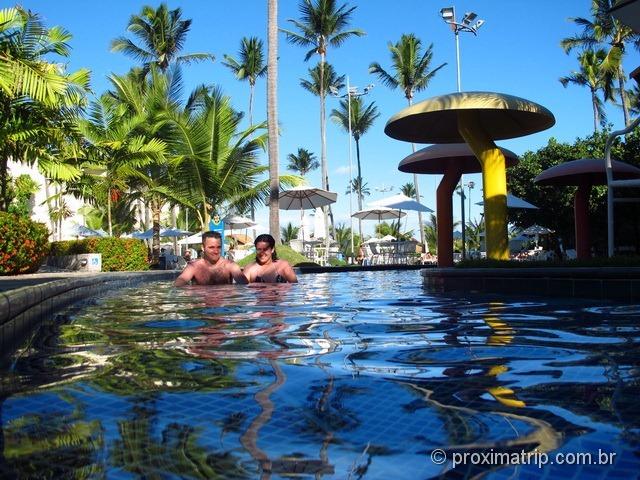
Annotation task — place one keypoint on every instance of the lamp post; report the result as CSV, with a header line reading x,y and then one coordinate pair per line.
x,y
448,14
352,92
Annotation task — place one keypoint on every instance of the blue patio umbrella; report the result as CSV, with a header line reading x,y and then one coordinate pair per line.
x,y
84,231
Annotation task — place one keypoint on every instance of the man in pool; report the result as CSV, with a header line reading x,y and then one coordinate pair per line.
x,y
268,268
211,269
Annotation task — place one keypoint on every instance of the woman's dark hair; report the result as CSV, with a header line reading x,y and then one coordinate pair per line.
x,y
266,238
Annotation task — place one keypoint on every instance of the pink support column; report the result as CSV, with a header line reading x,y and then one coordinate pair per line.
x,y
444,215
581,215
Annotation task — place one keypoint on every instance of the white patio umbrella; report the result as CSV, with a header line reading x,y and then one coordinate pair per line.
x,y
401,202
305,197
379,213
238,222
515,202
164,232
536,231
196,238
235,221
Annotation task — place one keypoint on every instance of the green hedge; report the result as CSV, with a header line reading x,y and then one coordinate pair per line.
x,y
118,254
23,244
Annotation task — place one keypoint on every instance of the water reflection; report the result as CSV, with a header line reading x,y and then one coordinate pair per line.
x,y
340,376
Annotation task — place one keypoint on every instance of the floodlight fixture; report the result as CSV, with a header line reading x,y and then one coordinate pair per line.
x,y
478,24
448,14
469,17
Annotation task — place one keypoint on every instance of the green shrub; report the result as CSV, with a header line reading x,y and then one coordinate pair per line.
x,y
118,254
23,244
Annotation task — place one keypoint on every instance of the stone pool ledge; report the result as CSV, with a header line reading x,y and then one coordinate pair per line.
x,y
22,307
601,283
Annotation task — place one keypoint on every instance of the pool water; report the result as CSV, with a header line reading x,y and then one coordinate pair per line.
x,y
345,375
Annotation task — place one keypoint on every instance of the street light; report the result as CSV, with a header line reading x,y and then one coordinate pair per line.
x,y
467,24
350,93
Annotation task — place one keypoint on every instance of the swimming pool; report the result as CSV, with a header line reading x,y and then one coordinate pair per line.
x,y
345,375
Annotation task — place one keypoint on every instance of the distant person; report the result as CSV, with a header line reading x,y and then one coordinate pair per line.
x,y
187,256
361,254
268,268
211,269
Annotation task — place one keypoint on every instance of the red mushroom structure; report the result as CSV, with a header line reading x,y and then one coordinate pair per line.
x,y
452,160
584,174
477,118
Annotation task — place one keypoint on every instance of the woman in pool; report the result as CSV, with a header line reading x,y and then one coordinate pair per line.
x,y
268,268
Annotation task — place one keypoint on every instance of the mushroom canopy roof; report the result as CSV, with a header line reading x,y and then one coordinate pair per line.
x,y
590,171
501,116
440,158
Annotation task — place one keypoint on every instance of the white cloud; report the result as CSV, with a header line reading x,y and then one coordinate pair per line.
x,y
344,170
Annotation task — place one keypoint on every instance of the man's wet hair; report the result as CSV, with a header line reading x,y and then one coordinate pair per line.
x,y
211,234
266,238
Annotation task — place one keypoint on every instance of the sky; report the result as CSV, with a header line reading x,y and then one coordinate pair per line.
x,y
516,51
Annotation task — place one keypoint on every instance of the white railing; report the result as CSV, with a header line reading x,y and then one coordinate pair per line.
x,y
611,183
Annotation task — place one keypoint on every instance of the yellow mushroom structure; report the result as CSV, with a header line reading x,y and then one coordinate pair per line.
x,y
478,119
451,160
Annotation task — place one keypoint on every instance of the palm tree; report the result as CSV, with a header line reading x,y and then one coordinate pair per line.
x,y
322,23
328,75
289,232
593,76
214,161
272,117
604,29
361,120
302,162
161,33
115,147
411,73
39,100
356,185
250,67
342,234
431,233
408,189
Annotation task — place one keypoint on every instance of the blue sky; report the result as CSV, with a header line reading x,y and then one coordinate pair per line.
x,y
515,52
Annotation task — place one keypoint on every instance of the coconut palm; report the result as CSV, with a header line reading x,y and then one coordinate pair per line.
x,y
249,67
161,34
411,72
302,162
39,100
272,117
289,232
216,162
342,234
322,24
322,72
594,77
408,189
362,119
116,148
329,76
356,185
602,30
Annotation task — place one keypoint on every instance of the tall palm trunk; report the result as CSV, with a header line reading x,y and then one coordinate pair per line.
x,y
623,96
109,212
272,118
415,184
155,215
596,115
357,139
251,91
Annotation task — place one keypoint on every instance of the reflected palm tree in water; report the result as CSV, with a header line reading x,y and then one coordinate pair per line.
x,y
177,452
